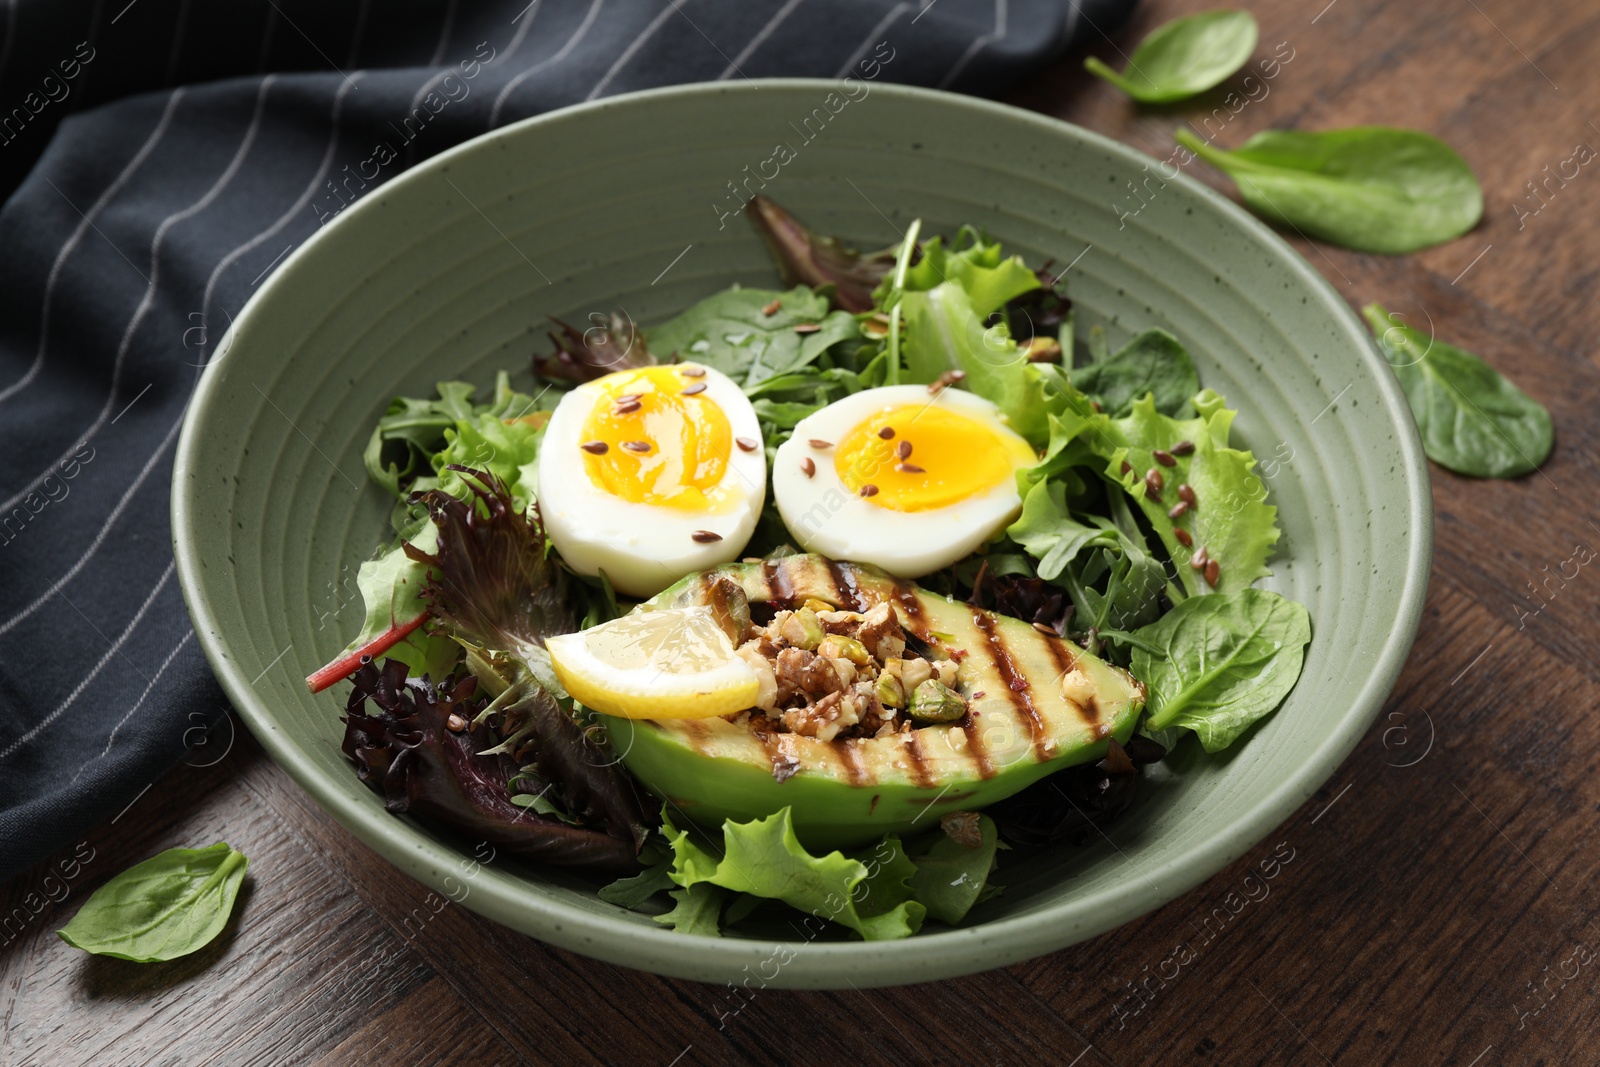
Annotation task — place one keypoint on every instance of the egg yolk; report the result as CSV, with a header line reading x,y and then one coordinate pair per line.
x,y
653,437
921,457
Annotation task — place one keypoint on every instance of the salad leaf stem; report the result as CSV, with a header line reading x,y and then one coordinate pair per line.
x,y
346,665
902,262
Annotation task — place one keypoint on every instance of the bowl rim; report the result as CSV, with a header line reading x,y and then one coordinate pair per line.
x,y
818,964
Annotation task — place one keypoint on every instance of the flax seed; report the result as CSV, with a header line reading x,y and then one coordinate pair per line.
x,y
706,537
1198,560
1154,482
1176,511
909,468
807,327
636,446
747,443
697,387
869,490
772,308
903,450
807,467
693,372
1183,537
1183,448
887,433
1213,572
819,444
1164,458
595,448
1186,494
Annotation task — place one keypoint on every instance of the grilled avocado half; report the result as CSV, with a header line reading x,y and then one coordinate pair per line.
x,y
1035,703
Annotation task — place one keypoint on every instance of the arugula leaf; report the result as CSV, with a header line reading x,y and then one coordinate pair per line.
x,y
1217,664
951,875
1230,519
174,903
697,911
870,895
1153,362
634,890
731,332
1370,188
1183,57
1473,420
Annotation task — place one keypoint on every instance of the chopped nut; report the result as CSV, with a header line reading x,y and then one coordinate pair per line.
x,y
934,702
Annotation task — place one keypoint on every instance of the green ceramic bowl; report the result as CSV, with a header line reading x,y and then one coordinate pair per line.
x,y
451,270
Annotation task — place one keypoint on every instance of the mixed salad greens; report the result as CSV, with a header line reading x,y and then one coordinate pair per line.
x,y
1135,536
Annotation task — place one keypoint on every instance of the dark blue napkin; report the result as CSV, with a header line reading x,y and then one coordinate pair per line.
x,y
159,158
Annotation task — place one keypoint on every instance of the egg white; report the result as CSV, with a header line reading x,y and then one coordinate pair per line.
x,y
643,548
825,516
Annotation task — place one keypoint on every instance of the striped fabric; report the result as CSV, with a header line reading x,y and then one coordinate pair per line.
x,y
158,159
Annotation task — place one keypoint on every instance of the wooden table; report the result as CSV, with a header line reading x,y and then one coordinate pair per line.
x,y
1435,909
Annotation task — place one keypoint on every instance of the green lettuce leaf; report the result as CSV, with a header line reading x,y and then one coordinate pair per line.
x,y
1231,519
870,894
1217,664
697,910
731,332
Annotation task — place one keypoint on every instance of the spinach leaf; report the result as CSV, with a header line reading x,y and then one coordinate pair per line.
x,y
1371,188
1153,362
731,332
1472,419
952,874
172,904
1183,57
1217,664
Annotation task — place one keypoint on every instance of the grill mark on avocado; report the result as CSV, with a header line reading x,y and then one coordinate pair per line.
x,y
779,587
1016,684
975,747
855,768
846,593
1067,662
905,599
919,759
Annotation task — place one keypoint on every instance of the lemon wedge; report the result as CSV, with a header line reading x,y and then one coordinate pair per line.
x,y
675,663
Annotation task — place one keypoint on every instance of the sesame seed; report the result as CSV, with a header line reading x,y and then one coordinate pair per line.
x,y
806,327
636,446
746,443
909,468
1177,510
772,308
887,433
706,537
807,467
1186,494
1154,482
868,490
903,450
595,448
697,387
1183,448
1183,537
1164,458
1213,572
819,444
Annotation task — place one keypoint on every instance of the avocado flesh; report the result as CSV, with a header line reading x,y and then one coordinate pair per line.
x,y
1045,705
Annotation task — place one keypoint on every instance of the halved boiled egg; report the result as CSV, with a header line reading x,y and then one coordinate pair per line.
x,y
899,478
649,474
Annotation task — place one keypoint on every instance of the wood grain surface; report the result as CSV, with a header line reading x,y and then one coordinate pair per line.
x,y
1430,906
